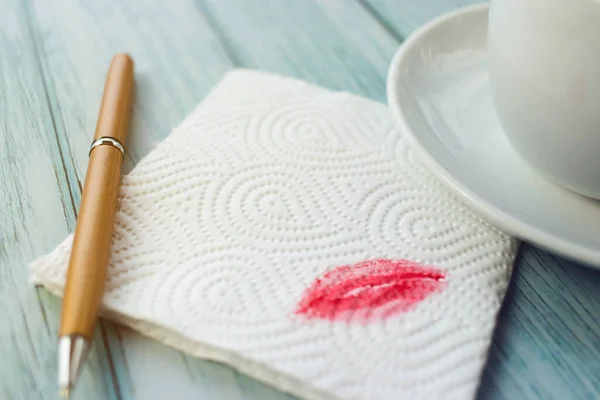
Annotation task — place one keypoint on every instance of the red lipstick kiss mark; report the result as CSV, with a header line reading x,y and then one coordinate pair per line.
x,y
370,289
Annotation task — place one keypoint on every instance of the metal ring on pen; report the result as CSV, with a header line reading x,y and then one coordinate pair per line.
x,y
109,141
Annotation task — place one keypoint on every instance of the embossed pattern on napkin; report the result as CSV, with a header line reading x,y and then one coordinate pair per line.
x,y
269,184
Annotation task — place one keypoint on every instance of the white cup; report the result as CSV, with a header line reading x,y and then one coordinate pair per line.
x,y
544,60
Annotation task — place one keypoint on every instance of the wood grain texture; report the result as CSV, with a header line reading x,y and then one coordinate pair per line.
x,y
333,43
53,58
36,212
547,343
401,18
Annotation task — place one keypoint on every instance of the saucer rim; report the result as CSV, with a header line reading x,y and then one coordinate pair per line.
x,y
495,215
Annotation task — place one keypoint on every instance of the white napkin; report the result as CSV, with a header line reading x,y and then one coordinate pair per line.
x,y
227,230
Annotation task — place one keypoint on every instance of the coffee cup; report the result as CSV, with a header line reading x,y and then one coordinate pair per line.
x,y
544,66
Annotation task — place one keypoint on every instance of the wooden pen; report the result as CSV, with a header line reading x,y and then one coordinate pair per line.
x,y
93,233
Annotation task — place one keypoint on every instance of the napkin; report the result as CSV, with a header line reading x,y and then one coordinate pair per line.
x,y
286,230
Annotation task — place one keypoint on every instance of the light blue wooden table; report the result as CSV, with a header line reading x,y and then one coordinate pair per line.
x,y
53,59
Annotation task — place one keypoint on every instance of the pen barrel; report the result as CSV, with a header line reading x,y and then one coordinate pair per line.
x,y
113,118
90,251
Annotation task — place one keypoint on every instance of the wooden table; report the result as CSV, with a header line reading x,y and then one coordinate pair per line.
x,y
53,59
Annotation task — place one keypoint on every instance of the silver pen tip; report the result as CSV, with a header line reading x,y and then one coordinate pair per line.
x,y
72,351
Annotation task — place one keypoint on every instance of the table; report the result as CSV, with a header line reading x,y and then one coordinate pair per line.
x,y
53,59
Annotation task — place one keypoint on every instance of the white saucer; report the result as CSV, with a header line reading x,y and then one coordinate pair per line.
x,y
439,93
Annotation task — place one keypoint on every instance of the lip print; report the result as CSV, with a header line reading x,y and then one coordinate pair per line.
x,y
369,290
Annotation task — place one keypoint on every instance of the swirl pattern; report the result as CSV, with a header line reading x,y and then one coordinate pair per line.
x,y
268,184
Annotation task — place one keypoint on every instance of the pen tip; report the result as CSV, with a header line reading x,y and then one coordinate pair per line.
x,y
64,393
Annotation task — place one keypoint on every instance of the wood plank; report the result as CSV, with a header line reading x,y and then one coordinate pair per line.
x,y
165,373
36,213
177,60
404,17
333,43
547,344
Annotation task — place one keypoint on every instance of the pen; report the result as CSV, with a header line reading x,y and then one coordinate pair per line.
x,y
91,242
